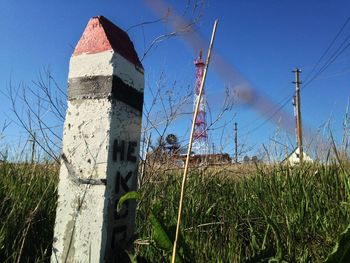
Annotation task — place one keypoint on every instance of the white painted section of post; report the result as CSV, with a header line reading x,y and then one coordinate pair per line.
x,y
89,65
85,144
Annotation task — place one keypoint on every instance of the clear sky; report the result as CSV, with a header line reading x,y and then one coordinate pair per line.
x,y
263,40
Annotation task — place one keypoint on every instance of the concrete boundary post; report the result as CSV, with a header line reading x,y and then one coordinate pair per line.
x,y
101,143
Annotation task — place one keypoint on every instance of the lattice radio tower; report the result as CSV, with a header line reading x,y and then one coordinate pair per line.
x,y
200,140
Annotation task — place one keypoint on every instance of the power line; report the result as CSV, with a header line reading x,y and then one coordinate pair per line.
x,y
328,48
282,102
332,58
329,61
266,120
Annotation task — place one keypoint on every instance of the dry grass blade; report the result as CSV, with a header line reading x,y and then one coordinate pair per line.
x,y
190,144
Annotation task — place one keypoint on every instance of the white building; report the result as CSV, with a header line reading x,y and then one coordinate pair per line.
x,y
294,159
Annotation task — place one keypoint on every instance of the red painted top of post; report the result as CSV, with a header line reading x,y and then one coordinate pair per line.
x,y
101,35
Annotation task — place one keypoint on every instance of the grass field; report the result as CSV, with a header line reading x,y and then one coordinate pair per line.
x,y
273,213
27,211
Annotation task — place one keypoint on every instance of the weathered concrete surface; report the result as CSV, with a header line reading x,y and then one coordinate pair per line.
x,y
100,149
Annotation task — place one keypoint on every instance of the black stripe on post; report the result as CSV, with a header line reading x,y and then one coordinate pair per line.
x,y
98,87
127,94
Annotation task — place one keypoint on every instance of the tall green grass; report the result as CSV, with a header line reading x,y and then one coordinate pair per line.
x,y
27,211
292,214
282,213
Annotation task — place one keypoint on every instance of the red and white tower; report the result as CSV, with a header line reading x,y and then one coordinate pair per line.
x,y
200,141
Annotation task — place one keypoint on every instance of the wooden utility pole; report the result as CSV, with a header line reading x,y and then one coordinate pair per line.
x,y
33,141
297,82
236,145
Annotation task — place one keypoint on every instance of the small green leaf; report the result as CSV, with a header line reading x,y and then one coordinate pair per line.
x,y
129,195
161,237
159,234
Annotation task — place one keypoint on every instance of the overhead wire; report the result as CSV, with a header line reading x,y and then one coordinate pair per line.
x,y
308,79
328,48
328,62
283,102
266,120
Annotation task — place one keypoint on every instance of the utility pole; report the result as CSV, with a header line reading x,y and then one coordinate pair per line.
x,y
213,156
236,145
33,141
295,118
297,82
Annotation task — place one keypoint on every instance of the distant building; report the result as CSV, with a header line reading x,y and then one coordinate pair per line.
x,y
178,158
294,159
246,159
197,159
252,160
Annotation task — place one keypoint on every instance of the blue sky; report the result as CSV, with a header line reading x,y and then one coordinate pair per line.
x,y
263,40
